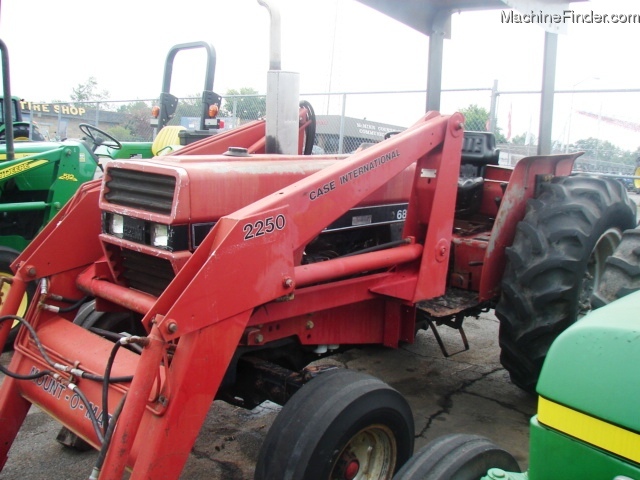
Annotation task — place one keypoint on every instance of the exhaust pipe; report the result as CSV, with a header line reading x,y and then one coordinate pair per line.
x,y
283,90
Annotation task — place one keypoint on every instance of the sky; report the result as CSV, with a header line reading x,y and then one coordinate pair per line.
x,y
336,46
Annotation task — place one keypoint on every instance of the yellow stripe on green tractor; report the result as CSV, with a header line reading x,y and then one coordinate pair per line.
x,y
20,167
607,436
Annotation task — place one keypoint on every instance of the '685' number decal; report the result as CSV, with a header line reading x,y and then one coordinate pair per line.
x,y
263,227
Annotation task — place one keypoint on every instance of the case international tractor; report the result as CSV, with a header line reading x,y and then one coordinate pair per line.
x,y
218,273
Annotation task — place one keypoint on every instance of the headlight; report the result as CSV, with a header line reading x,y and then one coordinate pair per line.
x,y
159,235
145,232
117,225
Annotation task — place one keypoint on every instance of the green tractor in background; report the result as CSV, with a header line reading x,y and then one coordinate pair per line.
x,y
12,113
38,177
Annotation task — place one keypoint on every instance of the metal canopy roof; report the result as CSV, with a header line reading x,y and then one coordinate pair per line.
x,y
433,18
419,14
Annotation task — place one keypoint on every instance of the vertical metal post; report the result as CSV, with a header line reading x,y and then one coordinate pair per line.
x,y
235,112
492,109
342,119
548,86
436,47
58,137
7,106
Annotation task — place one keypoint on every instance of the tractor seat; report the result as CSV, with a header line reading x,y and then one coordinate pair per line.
x,y
167,140
479,148
478,151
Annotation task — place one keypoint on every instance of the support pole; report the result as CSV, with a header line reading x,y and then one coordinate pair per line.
x,y
548,86
436,47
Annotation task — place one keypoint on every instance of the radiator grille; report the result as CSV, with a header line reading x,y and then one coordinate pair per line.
x,y
146,273
142,190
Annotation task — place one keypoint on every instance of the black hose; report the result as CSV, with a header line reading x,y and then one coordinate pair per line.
x,y
99,378
32,376
105,387
74,306
33,334
106,380
107,438
115,337
92,415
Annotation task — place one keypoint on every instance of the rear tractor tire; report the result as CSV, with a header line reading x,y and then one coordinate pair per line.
x,y
341,425
555,262
621,275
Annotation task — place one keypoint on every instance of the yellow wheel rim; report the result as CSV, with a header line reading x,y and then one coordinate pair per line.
x,y
23,303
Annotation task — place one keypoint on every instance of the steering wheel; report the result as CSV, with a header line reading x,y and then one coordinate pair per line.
x,y
96,135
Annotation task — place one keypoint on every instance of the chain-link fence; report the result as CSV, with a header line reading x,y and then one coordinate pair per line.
x,y
589,121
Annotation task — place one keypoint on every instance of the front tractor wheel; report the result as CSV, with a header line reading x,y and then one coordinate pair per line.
x,y
457,456
343,425
555,262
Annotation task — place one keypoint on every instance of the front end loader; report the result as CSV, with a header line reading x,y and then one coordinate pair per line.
x,y
195,276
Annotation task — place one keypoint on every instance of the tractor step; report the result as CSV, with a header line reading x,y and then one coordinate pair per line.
x,y
454,301
446,310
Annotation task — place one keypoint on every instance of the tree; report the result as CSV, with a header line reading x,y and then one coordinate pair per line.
x,y
477,118
597,149
121,133
88,92
522,139
190,106
246,104
137,120
605,156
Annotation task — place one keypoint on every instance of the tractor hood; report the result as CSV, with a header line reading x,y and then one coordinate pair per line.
x,y
591,369
198,188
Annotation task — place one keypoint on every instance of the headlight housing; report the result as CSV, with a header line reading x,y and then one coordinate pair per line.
x,y
159,235
116,225
145,232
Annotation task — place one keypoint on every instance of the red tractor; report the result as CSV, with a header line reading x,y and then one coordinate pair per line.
x,y
197,276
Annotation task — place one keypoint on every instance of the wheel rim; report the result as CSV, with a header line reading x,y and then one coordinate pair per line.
x,y
369,454
6,286
605,246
